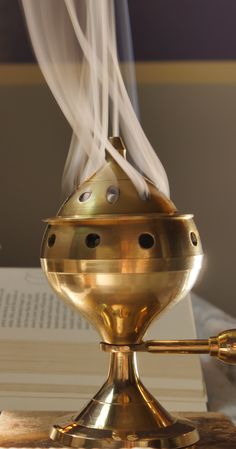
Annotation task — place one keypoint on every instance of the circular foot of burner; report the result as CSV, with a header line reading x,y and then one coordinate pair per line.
x,y
180,434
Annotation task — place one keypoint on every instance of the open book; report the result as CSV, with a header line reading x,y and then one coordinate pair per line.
x,y
50,357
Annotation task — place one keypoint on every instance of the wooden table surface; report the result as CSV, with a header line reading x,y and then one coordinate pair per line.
x,y
30,429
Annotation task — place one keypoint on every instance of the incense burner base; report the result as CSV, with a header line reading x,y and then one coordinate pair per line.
x,y
181,434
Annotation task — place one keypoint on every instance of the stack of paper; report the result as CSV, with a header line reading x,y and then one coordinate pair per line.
x,y
50,357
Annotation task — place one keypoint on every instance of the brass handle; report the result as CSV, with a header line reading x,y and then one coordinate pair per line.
x,y
223,346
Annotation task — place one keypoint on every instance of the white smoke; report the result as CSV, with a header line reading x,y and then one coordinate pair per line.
x,y
75,44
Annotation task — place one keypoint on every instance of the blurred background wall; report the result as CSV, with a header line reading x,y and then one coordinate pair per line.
x,y
185,55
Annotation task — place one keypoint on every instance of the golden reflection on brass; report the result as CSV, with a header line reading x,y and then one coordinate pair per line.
x,y
121,261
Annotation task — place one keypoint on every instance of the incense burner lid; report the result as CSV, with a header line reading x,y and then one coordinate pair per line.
x,y
110,191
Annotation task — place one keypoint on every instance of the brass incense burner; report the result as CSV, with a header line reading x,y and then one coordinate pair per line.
x,y
121,261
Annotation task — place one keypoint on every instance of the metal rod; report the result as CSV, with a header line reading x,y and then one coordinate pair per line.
x,y
178,346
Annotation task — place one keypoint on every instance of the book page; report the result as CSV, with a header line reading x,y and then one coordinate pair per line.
x,y
37,310
29,307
